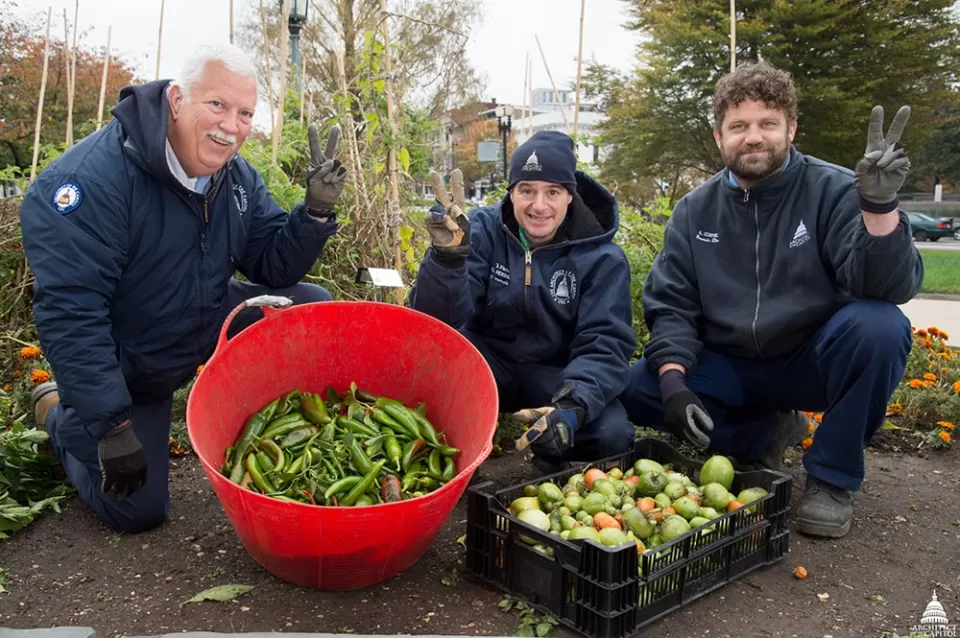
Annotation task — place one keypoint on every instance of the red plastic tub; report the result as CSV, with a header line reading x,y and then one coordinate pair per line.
x,y
384,348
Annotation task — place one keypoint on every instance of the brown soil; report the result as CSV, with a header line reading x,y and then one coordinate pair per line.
x,y
69,569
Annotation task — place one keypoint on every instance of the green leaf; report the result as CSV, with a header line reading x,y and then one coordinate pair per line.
x,y
406,233
220,593
887,425
543,629
403,156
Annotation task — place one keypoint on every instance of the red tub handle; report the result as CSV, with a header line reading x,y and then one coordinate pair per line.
x,y
270,305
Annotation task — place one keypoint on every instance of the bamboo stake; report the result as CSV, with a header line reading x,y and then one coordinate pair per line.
x,y
103,79
303,79
576,110
733,35
159,39
66,64
266,57
556,94
528,121
231,21
523,115
43,90
71,69
353,148
394,207
282,93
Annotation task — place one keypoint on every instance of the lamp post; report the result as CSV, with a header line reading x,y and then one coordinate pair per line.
x,y
295,22
504,128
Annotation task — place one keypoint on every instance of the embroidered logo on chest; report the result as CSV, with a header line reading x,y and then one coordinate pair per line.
x,y
800,236
563,287
240,197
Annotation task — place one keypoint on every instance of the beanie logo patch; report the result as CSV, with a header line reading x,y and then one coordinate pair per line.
x,y
532,163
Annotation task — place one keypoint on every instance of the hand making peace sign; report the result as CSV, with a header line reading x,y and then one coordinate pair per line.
x,y
325,174
881,171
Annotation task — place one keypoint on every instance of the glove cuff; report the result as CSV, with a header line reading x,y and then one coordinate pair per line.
x,y
321,210
672,382
879,209
119,429
571,413
451,257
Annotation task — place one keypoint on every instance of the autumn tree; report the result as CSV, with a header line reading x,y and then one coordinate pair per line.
x,y
845,57
21,70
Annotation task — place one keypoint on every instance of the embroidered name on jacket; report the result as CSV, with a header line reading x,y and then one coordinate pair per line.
x,y
563,287
500,274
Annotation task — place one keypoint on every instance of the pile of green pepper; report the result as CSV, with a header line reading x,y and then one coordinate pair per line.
x,y
355,449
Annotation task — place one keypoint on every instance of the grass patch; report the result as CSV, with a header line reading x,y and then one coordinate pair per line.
x,y
942,271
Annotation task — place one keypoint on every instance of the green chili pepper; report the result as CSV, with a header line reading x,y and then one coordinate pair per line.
x,y
236,474
409,481
365,499
364,485
433,462
449,468
427,430
287,402
399,414
301,435
247,480
421,409
447,450
284,425
342,485
314,409
256,475
392,447
253,428
352,425
360,459
410,451
274,451
332,395
329,431
267,464
284,497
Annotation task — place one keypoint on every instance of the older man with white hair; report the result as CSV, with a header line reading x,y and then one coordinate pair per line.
x,y
134,235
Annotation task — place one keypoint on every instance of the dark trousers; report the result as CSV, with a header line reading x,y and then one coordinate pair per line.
x,y
532,385
77,451
848,370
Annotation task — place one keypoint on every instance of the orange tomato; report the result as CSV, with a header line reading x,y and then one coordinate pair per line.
x,y
592,475
632,480
640,547
646,504
602,520
734,505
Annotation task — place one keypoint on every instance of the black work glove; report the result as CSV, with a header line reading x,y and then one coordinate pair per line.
x,y
123,463
882,170
447,224
325,175
683,413
551,428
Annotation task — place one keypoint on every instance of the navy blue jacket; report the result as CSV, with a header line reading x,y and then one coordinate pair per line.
x,y
757,272
566,304
132,267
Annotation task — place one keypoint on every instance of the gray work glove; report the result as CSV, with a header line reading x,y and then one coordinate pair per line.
x,y
881,171
123,463
325,174
447,224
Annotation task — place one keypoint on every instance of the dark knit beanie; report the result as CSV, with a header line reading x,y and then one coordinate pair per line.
x,y
546,157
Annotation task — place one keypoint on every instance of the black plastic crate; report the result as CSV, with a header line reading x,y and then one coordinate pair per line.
x,y
598,591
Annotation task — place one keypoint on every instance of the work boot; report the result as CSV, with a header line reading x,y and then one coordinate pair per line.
x,y
791,429
825,510
42,399
549,465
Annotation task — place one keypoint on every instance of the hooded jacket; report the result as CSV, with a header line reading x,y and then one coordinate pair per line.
x,y
757,272
132,267
566,304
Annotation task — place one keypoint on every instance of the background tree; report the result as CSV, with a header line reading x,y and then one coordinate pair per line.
x,y
466,150
21,70
845,55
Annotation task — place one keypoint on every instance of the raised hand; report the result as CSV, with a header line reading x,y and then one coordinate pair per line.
x,y
447,224
882,170
325,174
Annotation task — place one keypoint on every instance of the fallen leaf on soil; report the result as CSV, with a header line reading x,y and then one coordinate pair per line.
x,y
221,593
887,425
823,597
451,577
463,540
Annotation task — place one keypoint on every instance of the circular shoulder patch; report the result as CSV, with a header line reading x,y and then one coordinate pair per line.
x,y
67,197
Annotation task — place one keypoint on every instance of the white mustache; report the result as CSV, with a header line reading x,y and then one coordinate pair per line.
x,y
222,137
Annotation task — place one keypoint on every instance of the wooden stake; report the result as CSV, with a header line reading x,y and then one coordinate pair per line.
x,y
159,39
733,35
231,21
266,57
576,110
523,114
303,79
353,149
103,79
282,93
43,90
394,208
529,122
556,94
66,63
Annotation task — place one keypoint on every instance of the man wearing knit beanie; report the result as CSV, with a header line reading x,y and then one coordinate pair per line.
x,y
537,285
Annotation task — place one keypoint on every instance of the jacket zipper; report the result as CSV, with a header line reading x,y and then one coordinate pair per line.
x,y
527,265
756,311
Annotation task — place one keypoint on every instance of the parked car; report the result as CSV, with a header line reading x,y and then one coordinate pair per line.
x,y
926,228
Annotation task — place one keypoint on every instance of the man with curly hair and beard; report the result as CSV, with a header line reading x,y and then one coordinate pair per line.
x,y
776,291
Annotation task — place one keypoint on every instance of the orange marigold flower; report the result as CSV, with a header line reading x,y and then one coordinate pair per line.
x,y
818,418
934,331
944,335
916,383
199,369
956,387
39,376
945,436
921,333
811,427
8,388
930,376
30,352
945,355
945,424
806,443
